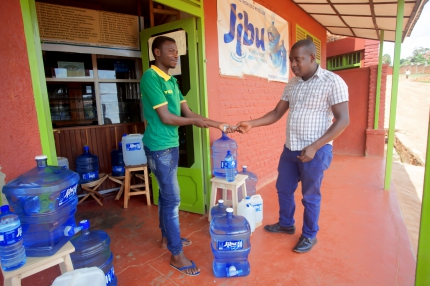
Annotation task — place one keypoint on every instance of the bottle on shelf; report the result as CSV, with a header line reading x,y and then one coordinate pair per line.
x,y
12,252
230,164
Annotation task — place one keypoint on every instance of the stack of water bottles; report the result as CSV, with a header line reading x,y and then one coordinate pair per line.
x,y
92,248
45,200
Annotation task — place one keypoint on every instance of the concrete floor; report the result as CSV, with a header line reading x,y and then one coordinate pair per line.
x,y
362,239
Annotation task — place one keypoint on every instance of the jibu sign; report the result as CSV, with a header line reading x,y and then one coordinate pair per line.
x,y
252,40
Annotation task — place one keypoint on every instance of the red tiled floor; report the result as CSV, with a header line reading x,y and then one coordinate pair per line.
x,y
362,238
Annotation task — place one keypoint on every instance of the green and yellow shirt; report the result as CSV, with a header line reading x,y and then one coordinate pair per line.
x,y
157,89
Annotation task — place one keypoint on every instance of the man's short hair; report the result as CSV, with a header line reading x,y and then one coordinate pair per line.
x,y
159,41
308,45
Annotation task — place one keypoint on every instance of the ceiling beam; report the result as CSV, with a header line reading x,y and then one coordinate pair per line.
x,y
338,14
372,11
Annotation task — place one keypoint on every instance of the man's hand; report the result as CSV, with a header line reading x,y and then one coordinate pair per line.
x,y
307,154
200,123
243,127
226,128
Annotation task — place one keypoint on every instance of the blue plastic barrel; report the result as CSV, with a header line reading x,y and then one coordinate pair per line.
x,y
219,151
230,243
12,252
87,166
218,210
92,248
117,160
45,200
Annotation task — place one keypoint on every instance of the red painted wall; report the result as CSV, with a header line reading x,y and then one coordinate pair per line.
x,y
345,46
353,140
19,140
235,99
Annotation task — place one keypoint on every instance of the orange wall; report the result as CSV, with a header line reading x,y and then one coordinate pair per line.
x,y
19,140
234,99
348,45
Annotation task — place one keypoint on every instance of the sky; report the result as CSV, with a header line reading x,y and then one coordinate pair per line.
x,y
420,36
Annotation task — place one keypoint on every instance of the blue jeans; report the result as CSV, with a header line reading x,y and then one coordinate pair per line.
x,y
290,172
164,165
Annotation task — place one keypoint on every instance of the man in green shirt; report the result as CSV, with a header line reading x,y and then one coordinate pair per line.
x,y
165,109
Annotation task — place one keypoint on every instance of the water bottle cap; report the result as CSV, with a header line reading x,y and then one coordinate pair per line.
x,y
41,157
85,224
244,166
4,208
229,210
220,201
124,135
228,152
86,147
248,198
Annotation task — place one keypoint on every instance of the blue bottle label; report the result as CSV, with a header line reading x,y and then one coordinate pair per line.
x,y
110,276
118,169
230,245
257,207
11,236
67,195
225,164
133,146
90,175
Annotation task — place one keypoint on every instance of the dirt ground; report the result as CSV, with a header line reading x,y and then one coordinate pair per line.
x,y
412,122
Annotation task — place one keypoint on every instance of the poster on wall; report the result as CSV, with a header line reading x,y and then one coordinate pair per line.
x,y
252,40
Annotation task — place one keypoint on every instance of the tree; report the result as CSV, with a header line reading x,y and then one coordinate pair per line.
x,y
420,55
386,59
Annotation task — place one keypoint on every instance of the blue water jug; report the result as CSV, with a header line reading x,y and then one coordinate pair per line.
x,y
12,252
250,182
87,166
92,248
45,201
117,161
230,243
230,166
219,150
218,210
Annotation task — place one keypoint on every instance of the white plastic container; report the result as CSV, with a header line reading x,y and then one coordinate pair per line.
x,y
63,162
91,276
257,203
244,208
132,150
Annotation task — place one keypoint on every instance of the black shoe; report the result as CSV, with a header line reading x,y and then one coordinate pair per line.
x,y
305,244
277,228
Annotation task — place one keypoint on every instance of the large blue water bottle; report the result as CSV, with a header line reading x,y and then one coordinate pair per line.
x,y
218,210
219,149
45,201
230,243
250,182
92,248
12,252
117,160
87,166
230,165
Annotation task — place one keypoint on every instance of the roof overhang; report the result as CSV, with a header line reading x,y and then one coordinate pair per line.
x,y
363,18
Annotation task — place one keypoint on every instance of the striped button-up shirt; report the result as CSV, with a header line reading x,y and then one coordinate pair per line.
x,y
310,104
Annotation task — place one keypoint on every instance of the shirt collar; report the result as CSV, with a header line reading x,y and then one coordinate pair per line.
x,y
317,74
162,74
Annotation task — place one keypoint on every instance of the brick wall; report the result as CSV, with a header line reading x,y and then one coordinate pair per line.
x,y
371,53
237,99
372,96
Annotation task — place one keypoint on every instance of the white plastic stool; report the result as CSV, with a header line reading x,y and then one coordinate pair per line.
x,y
218,183
36,264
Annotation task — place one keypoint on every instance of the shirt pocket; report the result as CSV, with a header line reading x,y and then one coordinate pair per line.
x,y
316,100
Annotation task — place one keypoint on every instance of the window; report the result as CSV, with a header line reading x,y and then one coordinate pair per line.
x,y
88,89
351,60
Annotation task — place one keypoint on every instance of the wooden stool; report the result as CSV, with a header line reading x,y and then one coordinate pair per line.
x,y
92,187
136,188
218,183
119,180
36,264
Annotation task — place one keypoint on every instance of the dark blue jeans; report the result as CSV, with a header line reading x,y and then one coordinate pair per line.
x,y
290,172
164,165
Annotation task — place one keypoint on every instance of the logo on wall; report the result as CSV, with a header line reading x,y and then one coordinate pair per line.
x,y
252,40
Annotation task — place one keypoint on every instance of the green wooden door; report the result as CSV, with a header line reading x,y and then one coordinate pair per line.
x,y
190,171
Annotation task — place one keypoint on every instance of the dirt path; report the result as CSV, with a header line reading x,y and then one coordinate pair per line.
x,y
413,103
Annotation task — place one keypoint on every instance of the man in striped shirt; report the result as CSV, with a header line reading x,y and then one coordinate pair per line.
x,y
313,97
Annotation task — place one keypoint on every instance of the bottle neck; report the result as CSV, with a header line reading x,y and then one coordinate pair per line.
x,y
42,163
229,215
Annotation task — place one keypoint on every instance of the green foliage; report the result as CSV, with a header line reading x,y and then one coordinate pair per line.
x,y
420,55
386,59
